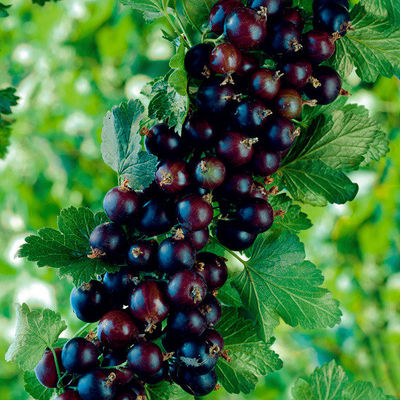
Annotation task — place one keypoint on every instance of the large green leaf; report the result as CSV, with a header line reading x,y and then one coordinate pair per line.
x,y
385,9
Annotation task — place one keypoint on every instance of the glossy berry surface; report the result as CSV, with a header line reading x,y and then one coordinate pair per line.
x,y
250,116
273,7
285,39
198,385
198,239
175,255
293,16
148,304
194,213
211,309
117,330
198,130
330,86
213,338
79,355
235,149
265,84
46,371
210,172
157,217
233,236
119,286
319,46
114,358
249,64
279,134
145,358
186,288
97,385
163,142
296,73
161,375
172,176
142,255
332,18
225,59
235,185
213,270
196,356
246,28
265,163
121,204
197,61
107,240
186,323
219,12
256,215
288,103
90,301
69,395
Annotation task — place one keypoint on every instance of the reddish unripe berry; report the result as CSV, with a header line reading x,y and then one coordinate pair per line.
x,y
225,59
288,103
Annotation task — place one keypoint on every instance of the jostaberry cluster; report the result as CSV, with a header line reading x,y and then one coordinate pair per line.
x,y
157,315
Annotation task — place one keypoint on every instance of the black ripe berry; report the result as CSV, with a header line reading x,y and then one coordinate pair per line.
x,y
198,130
121,204
97,385
145,359
288,103
79,355
213,338
163,142
332,18
280,134
142,255
218,13
319,46
198,385
235,148
250,116
175,254
293,16
317,4
119,285
265,163
197,61
196,356
198,239
186,288
249,64
172,176
258,191
273,7
210,172
90,301
211,309
69,395
187,323
256,215
297,72
156,217
235,186
246,28
330,85
46,371
213,270
285,39
194,213
234,236
225,59
265,84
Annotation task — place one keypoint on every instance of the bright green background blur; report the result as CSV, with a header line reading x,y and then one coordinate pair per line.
x,y
72,61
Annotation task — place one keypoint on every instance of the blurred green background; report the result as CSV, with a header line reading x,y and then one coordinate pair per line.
x,y
73,60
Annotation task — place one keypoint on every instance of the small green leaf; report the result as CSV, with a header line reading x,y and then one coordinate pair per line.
x,y
7,100
251,358
166,391
33,387
3,10
36,330
121,145
68,247
178,80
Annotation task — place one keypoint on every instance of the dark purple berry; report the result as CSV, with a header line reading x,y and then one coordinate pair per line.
x,y
218,13
172,176
288,103
198,239
233,236
196,356
332,18
163,142
293,16
225,59
319,46
285,39
280,134
258,191
213,270
79,356
175,254
198,131
145,359
273,7
249,64
46,371
198,385
265,84
194,213
297,72
265,163
142,255
213,338
211,309
157,217
186,323
210,172
197,61
161,375
235,186
97,385
235,148
250,116
69,395
256,215
119,286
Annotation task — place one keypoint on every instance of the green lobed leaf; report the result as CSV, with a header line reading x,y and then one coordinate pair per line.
x,y
378,149
372,47
364,391
36,330
144,5
166,391
34,388
121,145
178,79
251,358
385,9
3,10
198,10
276,276
301,390
68,247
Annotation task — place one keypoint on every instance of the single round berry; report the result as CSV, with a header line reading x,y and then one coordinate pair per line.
x,y
256,215
211,310
258,191
198,130
194,213
225,59
212,269
149,304
121,204
246,28
280,134
142,255
163,142
175,254
285,39
197,61
117,330
90,301
249,64
250,116
319,46
196,356
79,355
233,236
198,385
218,13
210,172
97,385
186,323
288,103
265,84
69,395
157,217
108,241
172,176
235,148
273,7
330,86
293,16
123,375
161,375
296,73
119,286
265,163
332,18
46,371
145,358
213,338
186,288
198,239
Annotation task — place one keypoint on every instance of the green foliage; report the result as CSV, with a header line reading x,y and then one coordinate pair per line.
x,y
121,148
42,2
251,358
178,79
197,10
68,247
166,391
35,388
3,10
36,330
330,382
384,9
7,100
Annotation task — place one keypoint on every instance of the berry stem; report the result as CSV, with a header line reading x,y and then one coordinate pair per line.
x,y
58,369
